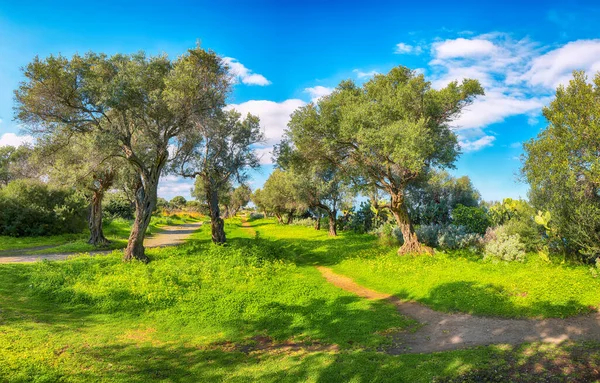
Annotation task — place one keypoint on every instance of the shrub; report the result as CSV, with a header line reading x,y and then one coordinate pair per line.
x,y
474,219
308,222
504,246
31,208
389,234
428,234
117,205
449,237
255,215
527,231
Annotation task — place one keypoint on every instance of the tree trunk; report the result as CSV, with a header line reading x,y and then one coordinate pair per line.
x,y
145,202
290,216
97,237
318,222
411,242
331,214
279,217
217,226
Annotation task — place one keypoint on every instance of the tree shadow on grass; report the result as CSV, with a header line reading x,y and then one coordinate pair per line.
x,y
494,300
179,364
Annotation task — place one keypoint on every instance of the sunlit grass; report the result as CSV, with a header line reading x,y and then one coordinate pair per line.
x,y
455,281
200,313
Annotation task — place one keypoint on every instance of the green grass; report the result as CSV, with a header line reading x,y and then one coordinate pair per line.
x,y
200,313
116,230
447,281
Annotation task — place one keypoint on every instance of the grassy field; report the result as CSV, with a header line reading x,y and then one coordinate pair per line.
x,y
447,281
117,231
254,310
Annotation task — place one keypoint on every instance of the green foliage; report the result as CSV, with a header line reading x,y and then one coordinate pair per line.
x,y
474,219
510,209
449,237
433,199
15,163
280,194
386,133
528,232
363,219
563,168
117,205
178,202
504,246
32,208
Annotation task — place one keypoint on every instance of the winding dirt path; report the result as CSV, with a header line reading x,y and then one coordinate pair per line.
x,y
442,331
169,236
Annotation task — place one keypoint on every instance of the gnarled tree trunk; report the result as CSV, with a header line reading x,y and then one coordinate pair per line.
x,y
318,222
145,202
331,214
411,242
102,182
217,225
97,237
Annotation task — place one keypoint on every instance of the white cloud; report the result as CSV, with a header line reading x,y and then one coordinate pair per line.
x,y
243,74
494,108
556,66
498,61
274,117
171,186
361,74
463,48
403,48
475,145
13,140
316,92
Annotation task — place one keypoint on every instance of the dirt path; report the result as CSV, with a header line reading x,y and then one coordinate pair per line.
x,y
442,331
169,236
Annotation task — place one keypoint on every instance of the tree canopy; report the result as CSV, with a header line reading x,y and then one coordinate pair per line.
x,y
219,151
562,165
145,103
385,134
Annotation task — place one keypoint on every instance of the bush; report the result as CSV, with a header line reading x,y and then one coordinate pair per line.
x,y
32,208
504,246
474,219
449,237
308,222
389,234
117,205
527,231
255,215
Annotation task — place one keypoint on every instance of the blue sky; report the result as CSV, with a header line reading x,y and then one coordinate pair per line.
x,y
287,53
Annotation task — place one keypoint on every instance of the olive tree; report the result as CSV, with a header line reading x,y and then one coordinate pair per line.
x,y
322,187
221,151
146,103
562,166
385,134
280,195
